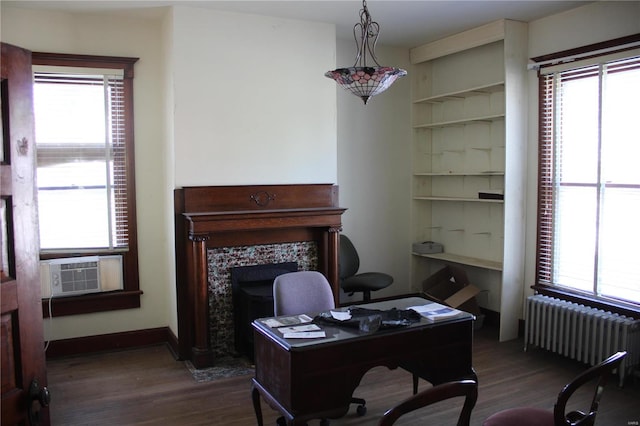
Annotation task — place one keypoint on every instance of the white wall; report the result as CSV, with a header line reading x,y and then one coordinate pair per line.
x,y
48,31
593,23
219,99
169,161
374,145
251,104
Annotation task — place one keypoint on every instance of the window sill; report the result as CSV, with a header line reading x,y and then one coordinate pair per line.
x,y
90,303
588,301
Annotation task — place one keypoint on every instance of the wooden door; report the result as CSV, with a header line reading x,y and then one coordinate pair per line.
x,y
24,394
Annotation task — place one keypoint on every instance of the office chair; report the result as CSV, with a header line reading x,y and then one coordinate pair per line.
x,y
352,282
531,416
305,292
466,388
301,292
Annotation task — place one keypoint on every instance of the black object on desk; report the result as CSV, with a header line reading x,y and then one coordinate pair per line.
x,y
315,378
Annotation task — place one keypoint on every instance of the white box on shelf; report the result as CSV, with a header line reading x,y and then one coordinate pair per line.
x,y
427,247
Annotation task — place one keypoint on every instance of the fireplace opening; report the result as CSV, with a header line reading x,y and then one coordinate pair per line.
x,y
252,297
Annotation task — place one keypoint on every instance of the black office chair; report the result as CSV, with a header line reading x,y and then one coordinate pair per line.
x,y
352,282
533,416
466,388
306,292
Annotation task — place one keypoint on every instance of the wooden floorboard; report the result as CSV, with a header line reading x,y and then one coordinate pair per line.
x,y
148,387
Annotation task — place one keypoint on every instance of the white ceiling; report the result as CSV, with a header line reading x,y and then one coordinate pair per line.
x,y
403,23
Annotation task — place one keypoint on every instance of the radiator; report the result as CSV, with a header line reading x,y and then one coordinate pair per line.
x,y
580,332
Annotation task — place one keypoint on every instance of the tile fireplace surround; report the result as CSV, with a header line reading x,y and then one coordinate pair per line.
x,y
221,260
218,227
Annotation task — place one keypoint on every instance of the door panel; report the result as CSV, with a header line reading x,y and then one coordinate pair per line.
x,y
23,360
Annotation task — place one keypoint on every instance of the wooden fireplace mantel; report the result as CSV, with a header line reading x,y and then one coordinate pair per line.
x,y
206,223
229,216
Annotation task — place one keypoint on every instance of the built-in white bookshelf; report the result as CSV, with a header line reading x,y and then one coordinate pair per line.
x,y
469,131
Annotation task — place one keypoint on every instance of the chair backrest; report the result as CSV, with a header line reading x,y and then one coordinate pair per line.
x,y
301,292
600,374
466,388
349,261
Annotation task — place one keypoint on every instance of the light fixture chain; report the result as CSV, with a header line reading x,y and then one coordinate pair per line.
x,y
368,30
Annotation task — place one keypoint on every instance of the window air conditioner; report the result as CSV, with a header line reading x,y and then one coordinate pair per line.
x,y
80,275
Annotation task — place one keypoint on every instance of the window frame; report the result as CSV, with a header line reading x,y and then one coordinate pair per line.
x,y
584,52
129,296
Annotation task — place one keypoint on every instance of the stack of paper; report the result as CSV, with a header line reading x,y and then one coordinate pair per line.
x,y
292,320
308,331
435,311
296,327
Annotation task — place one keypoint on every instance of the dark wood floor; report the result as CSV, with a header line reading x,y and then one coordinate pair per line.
x,y
148,387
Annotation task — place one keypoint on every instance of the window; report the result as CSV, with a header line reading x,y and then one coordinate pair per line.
x,y
589,180
81,161
83,109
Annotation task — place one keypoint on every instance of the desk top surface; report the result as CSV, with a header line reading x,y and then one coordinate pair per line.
x,y
336,333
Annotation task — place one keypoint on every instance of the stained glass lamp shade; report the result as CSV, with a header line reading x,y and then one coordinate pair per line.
x,y
362,80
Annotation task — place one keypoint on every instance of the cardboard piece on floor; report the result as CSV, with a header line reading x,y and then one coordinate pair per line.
x,y
450,286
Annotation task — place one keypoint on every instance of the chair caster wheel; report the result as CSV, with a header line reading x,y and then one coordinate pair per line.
x,y
280,421
325,422
361,410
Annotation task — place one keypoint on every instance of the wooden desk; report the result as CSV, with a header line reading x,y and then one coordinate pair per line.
x,y
311,379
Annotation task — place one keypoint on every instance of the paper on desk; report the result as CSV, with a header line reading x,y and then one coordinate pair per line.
x,y
304,335
341,315
292,320
299,328
435,311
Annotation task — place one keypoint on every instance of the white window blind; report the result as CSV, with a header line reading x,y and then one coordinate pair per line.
x,y
589,179
81,152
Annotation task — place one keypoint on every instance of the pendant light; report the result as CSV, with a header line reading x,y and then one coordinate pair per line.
x,y
361,79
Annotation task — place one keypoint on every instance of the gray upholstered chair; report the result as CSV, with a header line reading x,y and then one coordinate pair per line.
x,y
352,282
301,292
533,416
466,388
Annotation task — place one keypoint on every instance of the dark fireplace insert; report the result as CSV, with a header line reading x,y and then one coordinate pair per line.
x,y
252,296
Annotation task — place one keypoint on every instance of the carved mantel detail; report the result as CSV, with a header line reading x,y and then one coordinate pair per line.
x,y
228,216
262,198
